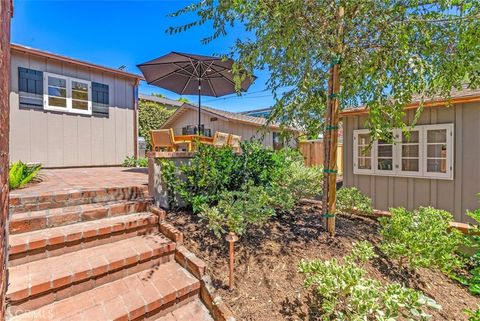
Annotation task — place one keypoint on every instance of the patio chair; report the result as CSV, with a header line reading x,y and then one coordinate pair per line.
x,y
163,139
220,139
234,142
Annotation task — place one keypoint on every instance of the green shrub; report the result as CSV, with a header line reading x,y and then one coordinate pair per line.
x,y
21,174
345,292
351,201
473,315
130,161
151,116
472,280
236,210
421,238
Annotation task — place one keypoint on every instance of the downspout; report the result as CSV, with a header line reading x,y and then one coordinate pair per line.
x,y
135,118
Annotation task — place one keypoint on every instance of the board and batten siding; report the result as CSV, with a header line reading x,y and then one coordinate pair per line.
x,y
248,132
456,196
66,140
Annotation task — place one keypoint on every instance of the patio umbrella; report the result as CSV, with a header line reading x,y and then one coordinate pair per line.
x,y
188,74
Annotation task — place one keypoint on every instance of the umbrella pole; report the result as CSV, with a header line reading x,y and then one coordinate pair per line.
x,y
199,104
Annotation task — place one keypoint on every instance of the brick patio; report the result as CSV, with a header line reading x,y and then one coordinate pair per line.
x,y
60,181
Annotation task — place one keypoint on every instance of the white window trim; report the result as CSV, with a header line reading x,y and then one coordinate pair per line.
x,y
69,108
397,153
357,170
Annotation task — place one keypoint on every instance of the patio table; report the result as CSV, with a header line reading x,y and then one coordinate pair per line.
x,y
190,140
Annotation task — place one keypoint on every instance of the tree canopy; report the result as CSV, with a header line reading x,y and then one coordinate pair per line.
x,y
392,51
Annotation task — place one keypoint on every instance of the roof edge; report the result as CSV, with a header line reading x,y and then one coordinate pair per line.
x,y
427,104
50,55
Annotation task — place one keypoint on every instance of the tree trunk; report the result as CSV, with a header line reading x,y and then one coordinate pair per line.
x,y
330,136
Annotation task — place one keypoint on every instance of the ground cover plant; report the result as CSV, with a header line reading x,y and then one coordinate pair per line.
x,y
131,161
345,292
421,238
350,200
21,174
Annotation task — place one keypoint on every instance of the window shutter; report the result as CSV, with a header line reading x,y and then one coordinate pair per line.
x,y
30,88
100,99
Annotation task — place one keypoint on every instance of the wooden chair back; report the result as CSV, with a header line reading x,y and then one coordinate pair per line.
x,y
220,139
163,139
234,142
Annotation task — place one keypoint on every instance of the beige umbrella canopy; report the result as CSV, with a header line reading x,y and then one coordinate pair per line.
x,y
188,74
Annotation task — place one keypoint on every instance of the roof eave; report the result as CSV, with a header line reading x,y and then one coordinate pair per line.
x,y
49,55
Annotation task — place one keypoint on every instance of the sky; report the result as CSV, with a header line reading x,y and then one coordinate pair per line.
x,y
116,33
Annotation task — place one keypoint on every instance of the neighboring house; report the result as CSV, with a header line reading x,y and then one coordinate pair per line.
x,y
65,112
186,118
262,112
168,103
438,166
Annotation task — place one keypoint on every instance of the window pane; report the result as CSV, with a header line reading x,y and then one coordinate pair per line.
x,y
410,150
410,165
79,86
79,95
414,137
57,102
385,164
58,92
53,81
78,104
437,136
437,165
364,163
364,139
385,151
364,151
438,151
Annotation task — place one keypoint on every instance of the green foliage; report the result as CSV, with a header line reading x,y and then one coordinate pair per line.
x,y
21,174
151,116
236,210
170,178
473,315
422,238
130,161
472,280
352,201
390,52
346,293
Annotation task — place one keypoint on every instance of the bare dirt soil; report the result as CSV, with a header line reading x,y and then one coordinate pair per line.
x,y
267,284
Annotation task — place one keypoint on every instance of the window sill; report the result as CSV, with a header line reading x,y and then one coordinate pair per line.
x,y
445,178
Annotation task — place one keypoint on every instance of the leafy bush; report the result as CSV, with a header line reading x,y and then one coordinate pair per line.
x,y
352,201
473,315
151,116
21,174
346,293
130,161
472,280
421,238
238,209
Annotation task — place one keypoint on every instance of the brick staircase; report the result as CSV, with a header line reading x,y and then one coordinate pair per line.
x,y
98,255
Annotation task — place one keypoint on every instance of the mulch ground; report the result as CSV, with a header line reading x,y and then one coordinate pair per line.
x,y
267,284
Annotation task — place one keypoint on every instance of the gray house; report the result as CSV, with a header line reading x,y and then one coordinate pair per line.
x,y
65,112
439,165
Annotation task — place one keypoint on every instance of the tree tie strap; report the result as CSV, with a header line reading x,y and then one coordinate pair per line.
x,y
328,215
330,171
331,127
336,60
334,95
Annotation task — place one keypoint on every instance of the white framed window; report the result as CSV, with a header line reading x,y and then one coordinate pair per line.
x,y
427,151
362,152
67,94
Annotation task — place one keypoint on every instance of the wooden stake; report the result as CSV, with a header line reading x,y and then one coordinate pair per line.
x,y
231,238
331,134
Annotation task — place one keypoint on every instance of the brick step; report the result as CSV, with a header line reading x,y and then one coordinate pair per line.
x,y
41,219
137,296
35,284
40,244
23,202
191,311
